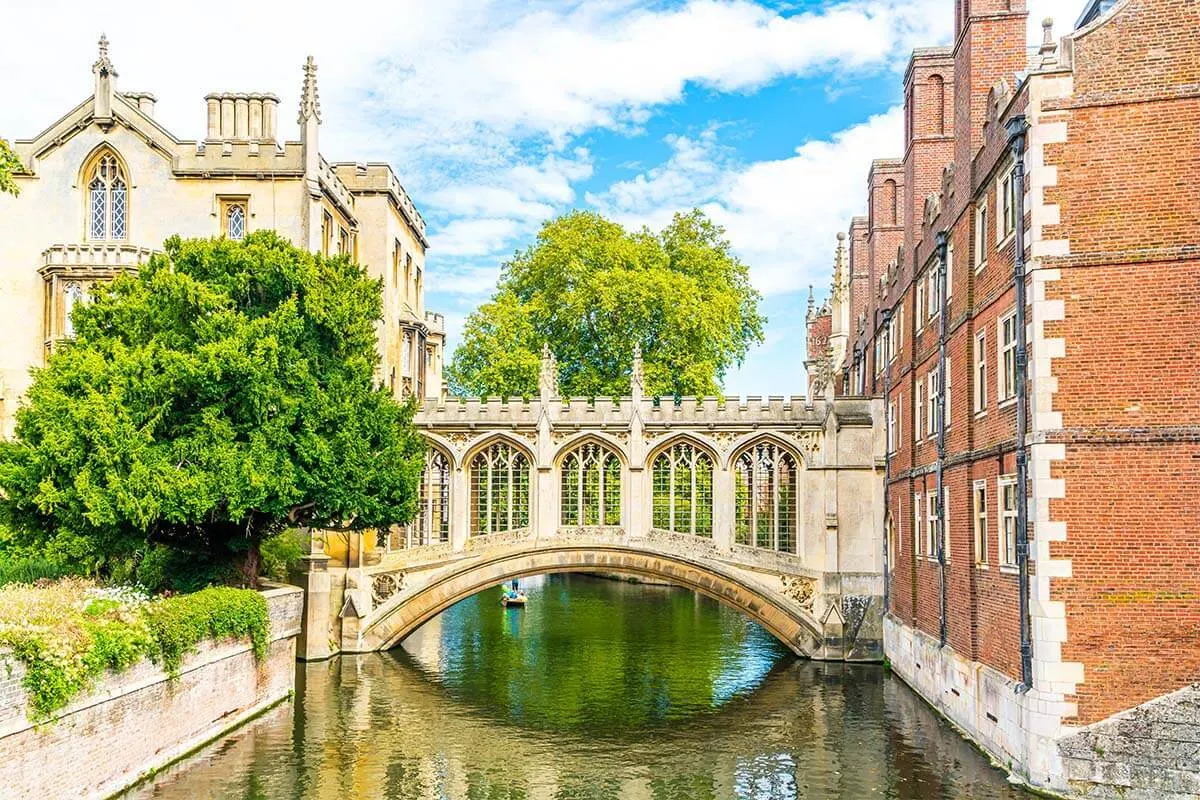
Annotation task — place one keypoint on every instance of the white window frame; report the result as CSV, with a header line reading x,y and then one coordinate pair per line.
x,y
891,428
917,524
1006,204
981,373
979,510
931,398
981,218
1006,540
1006,359
946,409
918,410
932,528
921,305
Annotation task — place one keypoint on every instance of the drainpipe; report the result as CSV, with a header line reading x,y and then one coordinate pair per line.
x,y
940,500
1017,129
887,456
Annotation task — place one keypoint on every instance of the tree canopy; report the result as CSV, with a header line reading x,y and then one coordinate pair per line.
x,y
223,393
9,163
592,290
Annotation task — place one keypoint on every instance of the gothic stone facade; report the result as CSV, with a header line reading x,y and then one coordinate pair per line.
x,y
1083,153
106,184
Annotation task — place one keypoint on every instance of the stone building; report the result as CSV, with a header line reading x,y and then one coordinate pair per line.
x,y
1024,293
106,184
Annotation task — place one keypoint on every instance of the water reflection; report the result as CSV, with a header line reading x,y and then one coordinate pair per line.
x,y
597,690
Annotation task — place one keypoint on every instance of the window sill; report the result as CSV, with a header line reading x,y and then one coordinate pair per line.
x,y
1011,401
981,565
980,267
981,414
1007,570
1008,237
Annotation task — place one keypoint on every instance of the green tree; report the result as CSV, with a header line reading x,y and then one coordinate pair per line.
x,y
593,290
9,163
499,351
224,393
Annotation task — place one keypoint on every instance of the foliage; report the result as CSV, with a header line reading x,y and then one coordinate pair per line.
x,y
69,633
282,553
9,163
222,394
32,568
593,290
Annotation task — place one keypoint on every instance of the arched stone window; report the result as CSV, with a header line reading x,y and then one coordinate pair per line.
x,y
499,490
683,490
765,486
591,486
432,523
108,197
235,221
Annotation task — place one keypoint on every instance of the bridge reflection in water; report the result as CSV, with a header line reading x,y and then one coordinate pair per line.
x,y
598,690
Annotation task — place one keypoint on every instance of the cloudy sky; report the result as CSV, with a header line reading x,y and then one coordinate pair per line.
x,y
498,114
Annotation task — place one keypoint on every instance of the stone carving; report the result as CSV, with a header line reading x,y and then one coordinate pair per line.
x,y
798,589
948,180
548,374
637,381
933,207
809,441
386,584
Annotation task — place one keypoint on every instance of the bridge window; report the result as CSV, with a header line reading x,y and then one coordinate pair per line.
x,y
765,478
499,490
683,490
432,523
591,486
108,196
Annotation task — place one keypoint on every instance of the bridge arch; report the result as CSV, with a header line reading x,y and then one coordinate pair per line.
x,y
406,611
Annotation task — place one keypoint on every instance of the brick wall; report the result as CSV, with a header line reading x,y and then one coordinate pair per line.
x,y
140,720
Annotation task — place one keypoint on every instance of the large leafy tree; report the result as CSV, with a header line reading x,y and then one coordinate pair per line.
x,y
224,393
592,290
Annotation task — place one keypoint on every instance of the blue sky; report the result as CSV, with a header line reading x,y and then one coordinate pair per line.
x,y
499,114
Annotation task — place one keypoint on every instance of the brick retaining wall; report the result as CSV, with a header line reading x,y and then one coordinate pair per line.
x,y
141,720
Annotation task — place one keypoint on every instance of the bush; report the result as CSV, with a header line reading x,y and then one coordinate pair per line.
x,y
32,569
71,632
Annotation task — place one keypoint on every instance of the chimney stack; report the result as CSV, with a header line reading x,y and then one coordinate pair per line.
x,y
236,116
143,100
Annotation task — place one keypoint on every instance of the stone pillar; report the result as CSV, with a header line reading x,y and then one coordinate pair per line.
x,y
315,635
214,116
545,490
460,508
241,117
227,117
256,117
724,508
637,523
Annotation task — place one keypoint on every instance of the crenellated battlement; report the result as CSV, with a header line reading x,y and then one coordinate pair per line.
x,y
731,410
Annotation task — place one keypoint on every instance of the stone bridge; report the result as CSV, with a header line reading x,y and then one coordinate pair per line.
x,y
772,506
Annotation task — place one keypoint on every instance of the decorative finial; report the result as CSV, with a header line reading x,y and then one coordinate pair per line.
x,y
103,66
548,375
1049,49
637,380
310,105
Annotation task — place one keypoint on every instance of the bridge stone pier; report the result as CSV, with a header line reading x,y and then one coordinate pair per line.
x,y
773,506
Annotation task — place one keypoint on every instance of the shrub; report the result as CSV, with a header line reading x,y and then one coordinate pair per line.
x,y
281,554
71,632
32,569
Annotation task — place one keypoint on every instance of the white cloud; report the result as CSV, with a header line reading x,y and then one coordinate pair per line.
x,y
781,216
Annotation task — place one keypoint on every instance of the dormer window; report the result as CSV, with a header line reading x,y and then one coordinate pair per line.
x,y
108,198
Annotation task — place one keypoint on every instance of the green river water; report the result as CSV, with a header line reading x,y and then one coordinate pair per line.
x,y
598,689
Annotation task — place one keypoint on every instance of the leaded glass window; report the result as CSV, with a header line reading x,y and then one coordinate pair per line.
x,y
765,486
72,296
432,523
591,486
235,221
108,199
499,490
683,490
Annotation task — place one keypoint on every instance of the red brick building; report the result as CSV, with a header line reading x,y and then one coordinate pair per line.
x,y
1066,588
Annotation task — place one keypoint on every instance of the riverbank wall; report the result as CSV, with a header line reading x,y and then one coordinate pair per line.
x,y
1149,752
139,721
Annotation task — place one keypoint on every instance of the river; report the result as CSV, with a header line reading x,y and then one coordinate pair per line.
x,y
598,689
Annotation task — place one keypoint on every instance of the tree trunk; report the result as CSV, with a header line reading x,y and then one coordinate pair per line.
x,y
251,564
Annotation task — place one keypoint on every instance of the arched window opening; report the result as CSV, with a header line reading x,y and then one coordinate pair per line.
x,y
766,481
235,222
938,99
108,199
499,490
591,486
889,201
432,523
683,490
